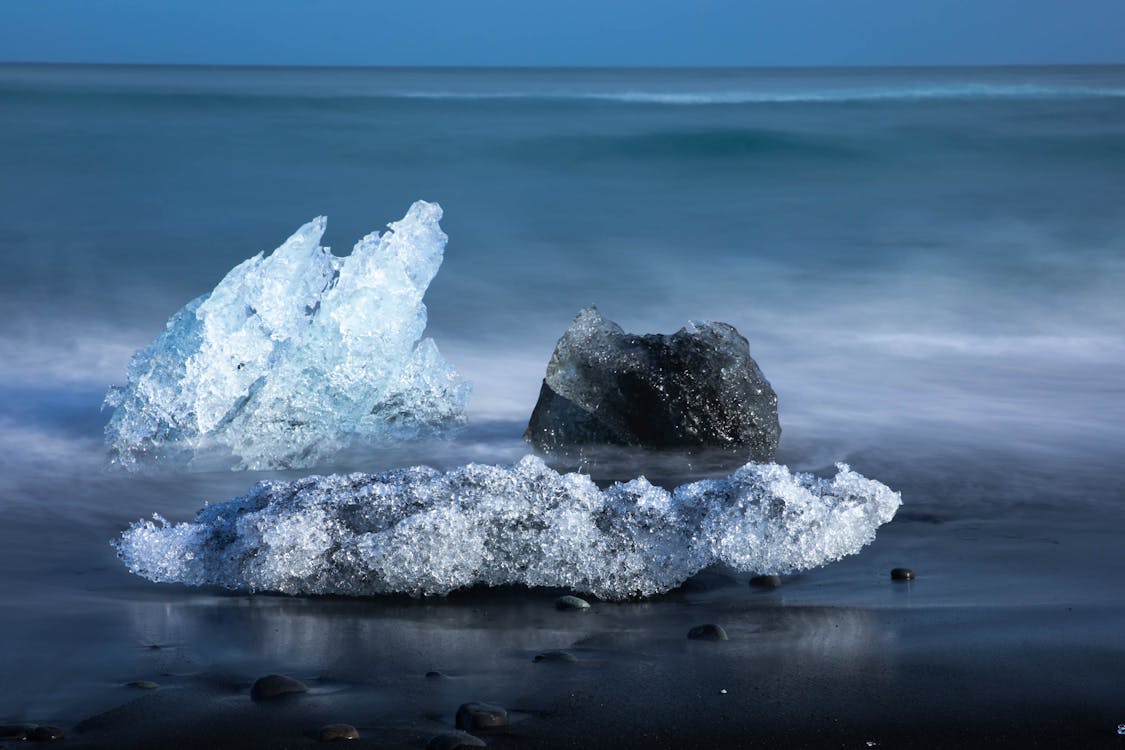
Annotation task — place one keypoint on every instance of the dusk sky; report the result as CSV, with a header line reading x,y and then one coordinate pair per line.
x,y
564,32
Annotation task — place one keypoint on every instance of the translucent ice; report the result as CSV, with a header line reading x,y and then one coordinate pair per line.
x,y
420,531
294,355
698,387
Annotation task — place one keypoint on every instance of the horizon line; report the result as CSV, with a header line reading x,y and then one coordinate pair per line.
x,y
328,66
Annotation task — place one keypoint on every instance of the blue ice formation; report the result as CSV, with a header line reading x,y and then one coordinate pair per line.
x,y
424,532
295,355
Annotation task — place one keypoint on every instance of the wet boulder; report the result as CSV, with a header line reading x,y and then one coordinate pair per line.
x,y
697,388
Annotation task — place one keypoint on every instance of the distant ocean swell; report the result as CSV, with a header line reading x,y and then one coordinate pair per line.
x,y
732,146
688,98
681,98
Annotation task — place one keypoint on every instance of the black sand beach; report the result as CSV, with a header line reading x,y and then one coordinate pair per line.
x,y
1009,636
790,676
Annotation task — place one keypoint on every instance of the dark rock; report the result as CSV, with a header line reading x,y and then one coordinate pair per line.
x,y
45,734
454,740
568,603
275,686
481,716
333,732
902,574
143,685
555,657
697,388
707,632
435,675
766,582
15,732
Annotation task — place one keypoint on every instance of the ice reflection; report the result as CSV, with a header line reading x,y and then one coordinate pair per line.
x,y
483,631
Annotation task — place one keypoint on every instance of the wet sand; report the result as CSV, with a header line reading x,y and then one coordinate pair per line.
x,y
1009,636
791,675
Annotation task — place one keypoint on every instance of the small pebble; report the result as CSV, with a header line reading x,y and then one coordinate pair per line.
x,y
766,582
143,685
707,632
571,603
274,686
454,740
902,574
481,716
555,657
333,732
45,734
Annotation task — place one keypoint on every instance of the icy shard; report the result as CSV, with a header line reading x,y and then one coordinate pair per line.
x,y
294,355
420,531
697,388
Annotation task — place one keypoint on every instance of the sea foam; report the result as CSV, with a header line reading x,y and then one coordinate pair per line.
x,y
422,532
294,355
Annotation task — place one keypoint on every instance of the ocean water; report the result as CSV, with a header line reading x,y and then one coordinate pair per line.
x,y
929,265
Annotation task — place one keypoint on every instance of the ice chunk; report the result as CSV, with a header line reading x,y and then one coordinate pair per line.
x,y
697,388
294,355
420,531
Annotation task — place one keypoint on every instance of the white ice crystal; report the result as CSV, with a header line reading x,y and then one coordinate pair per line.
x,y
420,531
294,355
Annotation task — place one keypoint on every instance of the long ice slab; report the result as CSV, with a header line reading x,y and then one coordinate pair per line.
x,y
293,356
421,531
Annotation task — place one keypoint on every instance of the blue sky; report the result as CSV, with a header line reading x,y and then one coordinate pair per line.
x,y
564,32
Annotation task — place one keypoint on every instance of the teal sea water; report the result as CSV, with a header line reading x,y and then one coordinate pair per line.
x,y
929,265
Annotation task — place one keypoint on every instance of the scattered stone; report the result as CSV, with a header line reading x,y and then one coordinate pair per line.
x,y
555,657
766,582
275,686
697,388
333,732
15,732
143,685
45,734
454,740
708,632
571,603
902,574
481,716
436,675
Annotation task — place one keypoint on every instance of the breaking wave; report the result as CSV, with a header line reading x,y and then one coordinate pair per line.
x,y
969,91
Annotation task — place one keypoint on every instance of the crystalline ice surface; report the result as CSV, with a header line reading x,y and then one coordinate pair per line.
x,y
421,531
294,355
697,387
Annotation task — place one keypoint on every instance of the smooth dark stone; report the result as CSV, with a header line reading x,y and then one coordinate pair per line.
x,y
766,582
275,686
697,388
902,574
15,732
571,603
435,675
481,716
707,632
143,685
45,734
555,657
454,740
333,732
